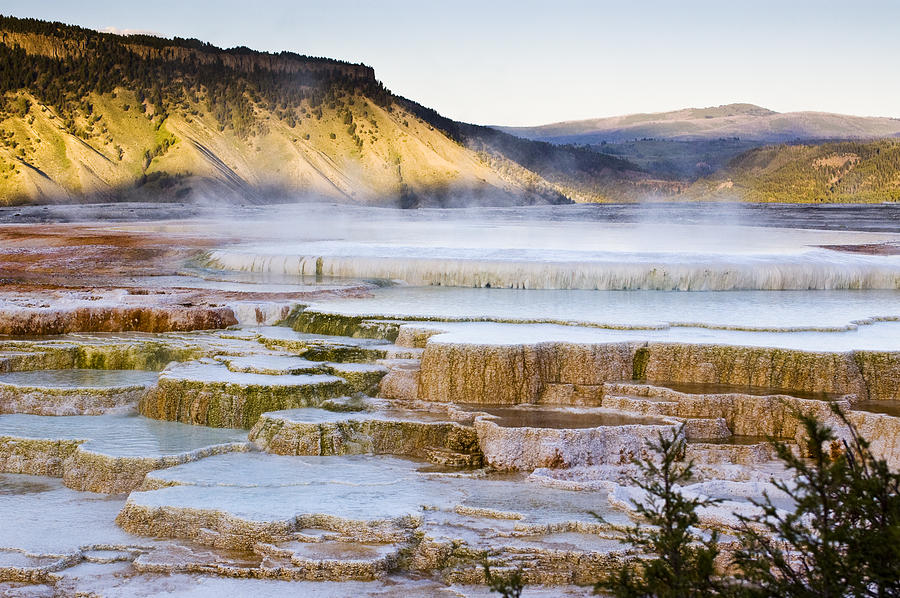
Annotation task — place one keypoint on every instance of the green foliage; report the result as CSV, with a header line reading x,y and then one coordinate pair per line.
x,y
89,61
677,561
508,585
20,106
830,172
843,539
159,149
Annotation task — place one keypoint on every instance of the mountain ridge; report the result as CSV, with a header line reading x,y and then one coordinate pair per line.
x,y
94,116
746,121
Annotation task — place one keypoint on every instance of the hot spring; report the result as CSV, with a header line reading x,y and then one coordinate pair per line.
x,y
373,398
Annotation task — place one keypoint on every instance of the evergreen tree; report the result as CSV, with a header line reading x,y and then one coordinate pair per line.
x,y
843,538
508,585
677,561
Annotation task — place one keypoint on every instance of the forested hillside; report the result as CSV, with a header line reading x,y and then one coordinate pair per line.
x,y
831,172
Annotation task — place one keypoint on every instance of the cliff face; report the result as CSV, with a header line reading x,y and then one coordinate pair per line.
x,y
240,59
284,63
44,45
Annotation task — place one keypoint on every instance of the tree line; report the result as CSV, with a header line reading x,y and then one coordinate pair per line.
x,y
105,62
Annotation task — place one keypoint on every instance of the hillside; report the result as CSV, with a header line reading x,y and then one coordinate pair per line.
x,y
686,145
582,174
831,172
88,115
745,121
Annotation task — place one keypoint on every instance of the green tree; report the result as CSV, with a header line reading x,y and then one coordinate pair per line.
x,y
677,561
508,585
843,537
21,106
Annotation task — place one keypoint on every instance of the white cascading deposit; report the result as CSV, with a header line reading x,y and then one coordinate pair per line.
x,y
816,269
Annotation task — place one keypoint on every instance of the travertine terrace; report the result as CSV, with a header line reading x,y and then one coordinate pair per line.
x,y
182,409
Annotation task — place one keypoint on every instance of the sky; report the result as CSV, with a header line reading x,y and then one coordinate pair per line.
x,y
522,62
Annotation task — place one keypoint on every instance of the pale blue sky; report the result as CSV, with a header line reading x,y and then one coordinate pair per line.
x,y
523,62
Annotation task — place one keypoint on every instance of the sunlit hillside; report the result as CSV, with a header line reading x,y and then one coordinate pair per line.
x,y
830,172
94,115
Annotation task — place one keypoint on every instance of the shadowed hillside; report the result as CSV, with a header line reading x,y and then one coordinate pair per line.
x,y
745,121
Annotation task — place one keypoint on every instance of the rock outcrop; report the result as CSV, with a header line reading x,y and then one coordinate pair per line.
x,y
389,432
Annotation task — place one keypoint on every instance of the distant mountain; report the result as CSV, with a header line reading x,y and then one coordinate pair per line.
x,y
831,172
90,115
745,121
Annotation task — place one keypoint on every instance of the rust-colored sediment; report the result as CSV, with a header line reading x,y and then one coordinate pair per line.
x,y
866,248
61,278
45,252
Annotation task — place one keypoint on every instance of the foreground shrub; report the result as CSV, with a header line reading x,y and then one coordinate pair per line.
x,y
508,585
843,539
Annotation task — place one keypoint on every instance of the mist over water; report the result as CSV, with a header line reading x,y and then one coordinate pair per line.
x,y
605,248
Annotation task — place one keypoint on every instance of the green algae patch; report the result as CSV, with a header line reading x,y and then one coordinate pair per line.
x,y
89,471
881,372
755,366
639,364
341,325
360,377
140,356
16,361
323,348
208,394
73,391
96,353
21,356
108,453
35,456
392,432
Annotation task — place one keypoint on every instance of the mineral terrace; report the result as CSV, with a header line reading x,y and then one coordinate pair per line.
x,y
174,423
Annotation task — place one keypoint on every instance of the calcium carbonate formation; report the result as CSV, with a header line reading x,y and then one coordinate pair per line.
x,y
377,440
